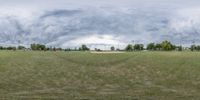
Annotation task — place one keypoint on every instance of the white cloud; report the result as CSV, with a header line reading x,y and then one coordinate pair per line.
x,y
62,23
95,39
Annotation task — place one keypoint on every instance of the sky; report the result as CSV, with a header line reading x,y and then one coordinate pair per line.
x,y
70,23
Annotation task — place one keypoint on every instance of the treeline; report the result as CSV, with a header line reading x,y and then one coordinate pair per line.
x,y
162,46
12,48
195,47
44,48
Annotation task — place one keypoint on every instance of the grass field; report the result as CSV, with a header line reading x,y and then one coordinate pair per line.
x,y
87,76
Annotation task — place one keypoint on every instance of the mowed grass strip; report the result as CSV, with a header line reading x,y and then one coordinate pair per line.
x,y
83,75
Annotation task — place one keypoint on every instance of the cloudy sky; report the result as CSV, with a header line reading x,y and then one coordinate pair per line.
x,y
70,23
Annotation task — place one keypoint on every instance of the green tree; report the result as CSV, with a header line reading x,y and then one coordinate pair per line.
x,y
41,47
21,47
11,48
198,48
1,47
193,47
138,47
151,46
84,48
158,46
129,47
33,46
179,48
38,47
166,45
112,48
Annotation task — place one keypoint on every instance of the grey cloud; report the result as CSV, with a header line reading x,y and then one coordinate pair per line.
x,y
58,27
60,13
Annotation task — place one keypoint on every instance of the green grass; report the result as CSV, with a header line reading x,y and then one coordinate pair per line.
x,y
86,76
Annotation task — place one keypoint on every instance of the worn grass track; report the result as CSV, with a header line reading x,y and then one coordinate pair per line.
x,y
82,75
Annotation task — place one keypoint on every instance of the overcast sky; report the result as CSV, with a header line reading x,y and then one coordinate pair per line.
x,y
69,23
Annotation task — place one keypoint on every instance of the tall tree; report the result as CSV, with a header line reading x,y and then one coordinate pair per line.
x,y
84,48
112,48
166,45
129,47
138,47
158,46
21,47
38,47
151,46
